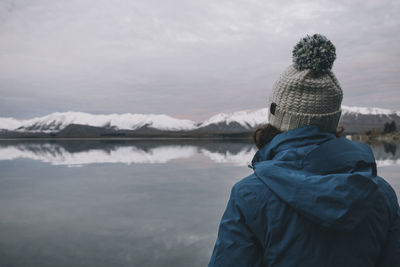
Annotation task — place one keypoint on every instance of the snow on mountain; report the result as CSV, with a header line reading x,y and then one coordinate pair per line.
x,y
368,111
9,123
59,120
251,119
248,119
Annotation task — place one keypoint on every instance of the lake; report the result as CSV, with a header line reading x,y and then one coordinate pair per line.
x,y
123,203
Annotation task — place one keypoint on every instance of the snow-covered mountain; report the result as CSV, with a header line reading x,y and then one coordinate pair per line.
x,y
248,119
346,110
354,119
360,119
59,120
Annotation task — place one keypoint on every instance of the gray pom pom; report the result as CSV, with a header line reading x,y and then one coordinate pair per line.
x,y
314,52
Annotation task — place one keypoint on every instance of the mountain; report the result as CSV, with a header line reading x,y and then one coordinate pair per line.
x,y
362,119
59,120
240,121
80,124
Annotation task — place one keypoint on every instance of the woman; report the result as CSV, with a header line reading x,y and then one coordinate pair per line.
x,y
314,199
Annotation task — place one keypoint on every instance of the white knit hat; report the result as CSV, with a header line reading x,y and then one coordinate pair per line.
x,y
308,91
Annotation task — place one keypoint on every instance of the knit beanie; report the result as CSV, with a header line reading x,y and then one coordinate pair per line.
x,y
307,92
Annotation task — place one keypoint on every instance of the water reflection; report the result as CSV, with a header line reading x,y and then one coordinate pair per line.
x,y
390,148
115,210
118,214
79,153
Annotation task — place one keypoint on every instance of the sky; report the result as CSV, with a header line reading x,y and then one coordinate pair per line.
x,y
185,58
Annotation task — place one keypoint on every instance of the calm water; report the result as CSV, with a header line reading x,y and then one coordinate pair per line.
x,y
120,203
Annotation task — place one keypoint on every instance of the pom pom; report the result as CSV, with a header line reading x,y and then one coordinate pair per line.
x,y
314,52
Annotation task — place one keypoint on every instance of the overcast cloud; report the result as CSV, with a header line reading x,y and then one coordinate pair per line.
x,y
186,58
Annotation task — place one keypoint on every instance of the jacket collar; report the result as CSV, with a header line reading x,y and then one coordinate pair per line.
x,y
298,137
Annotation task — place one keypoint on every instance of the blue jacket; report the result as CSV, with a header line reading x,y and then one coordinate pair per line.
x,y
313,200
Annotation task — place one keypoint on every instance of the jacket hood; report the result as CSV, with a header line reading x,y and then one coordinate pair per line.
x,y
332,181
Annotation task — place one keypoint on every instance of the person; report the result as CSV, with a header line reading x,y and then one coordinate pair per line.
x,y
314,199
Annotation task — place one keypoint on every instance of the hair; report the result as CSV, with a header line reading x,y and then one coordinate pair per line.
x,y
265,133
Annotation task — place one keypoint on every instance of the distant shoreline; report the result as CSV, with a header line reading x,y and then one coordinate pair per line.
x,y
123,138
374,137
